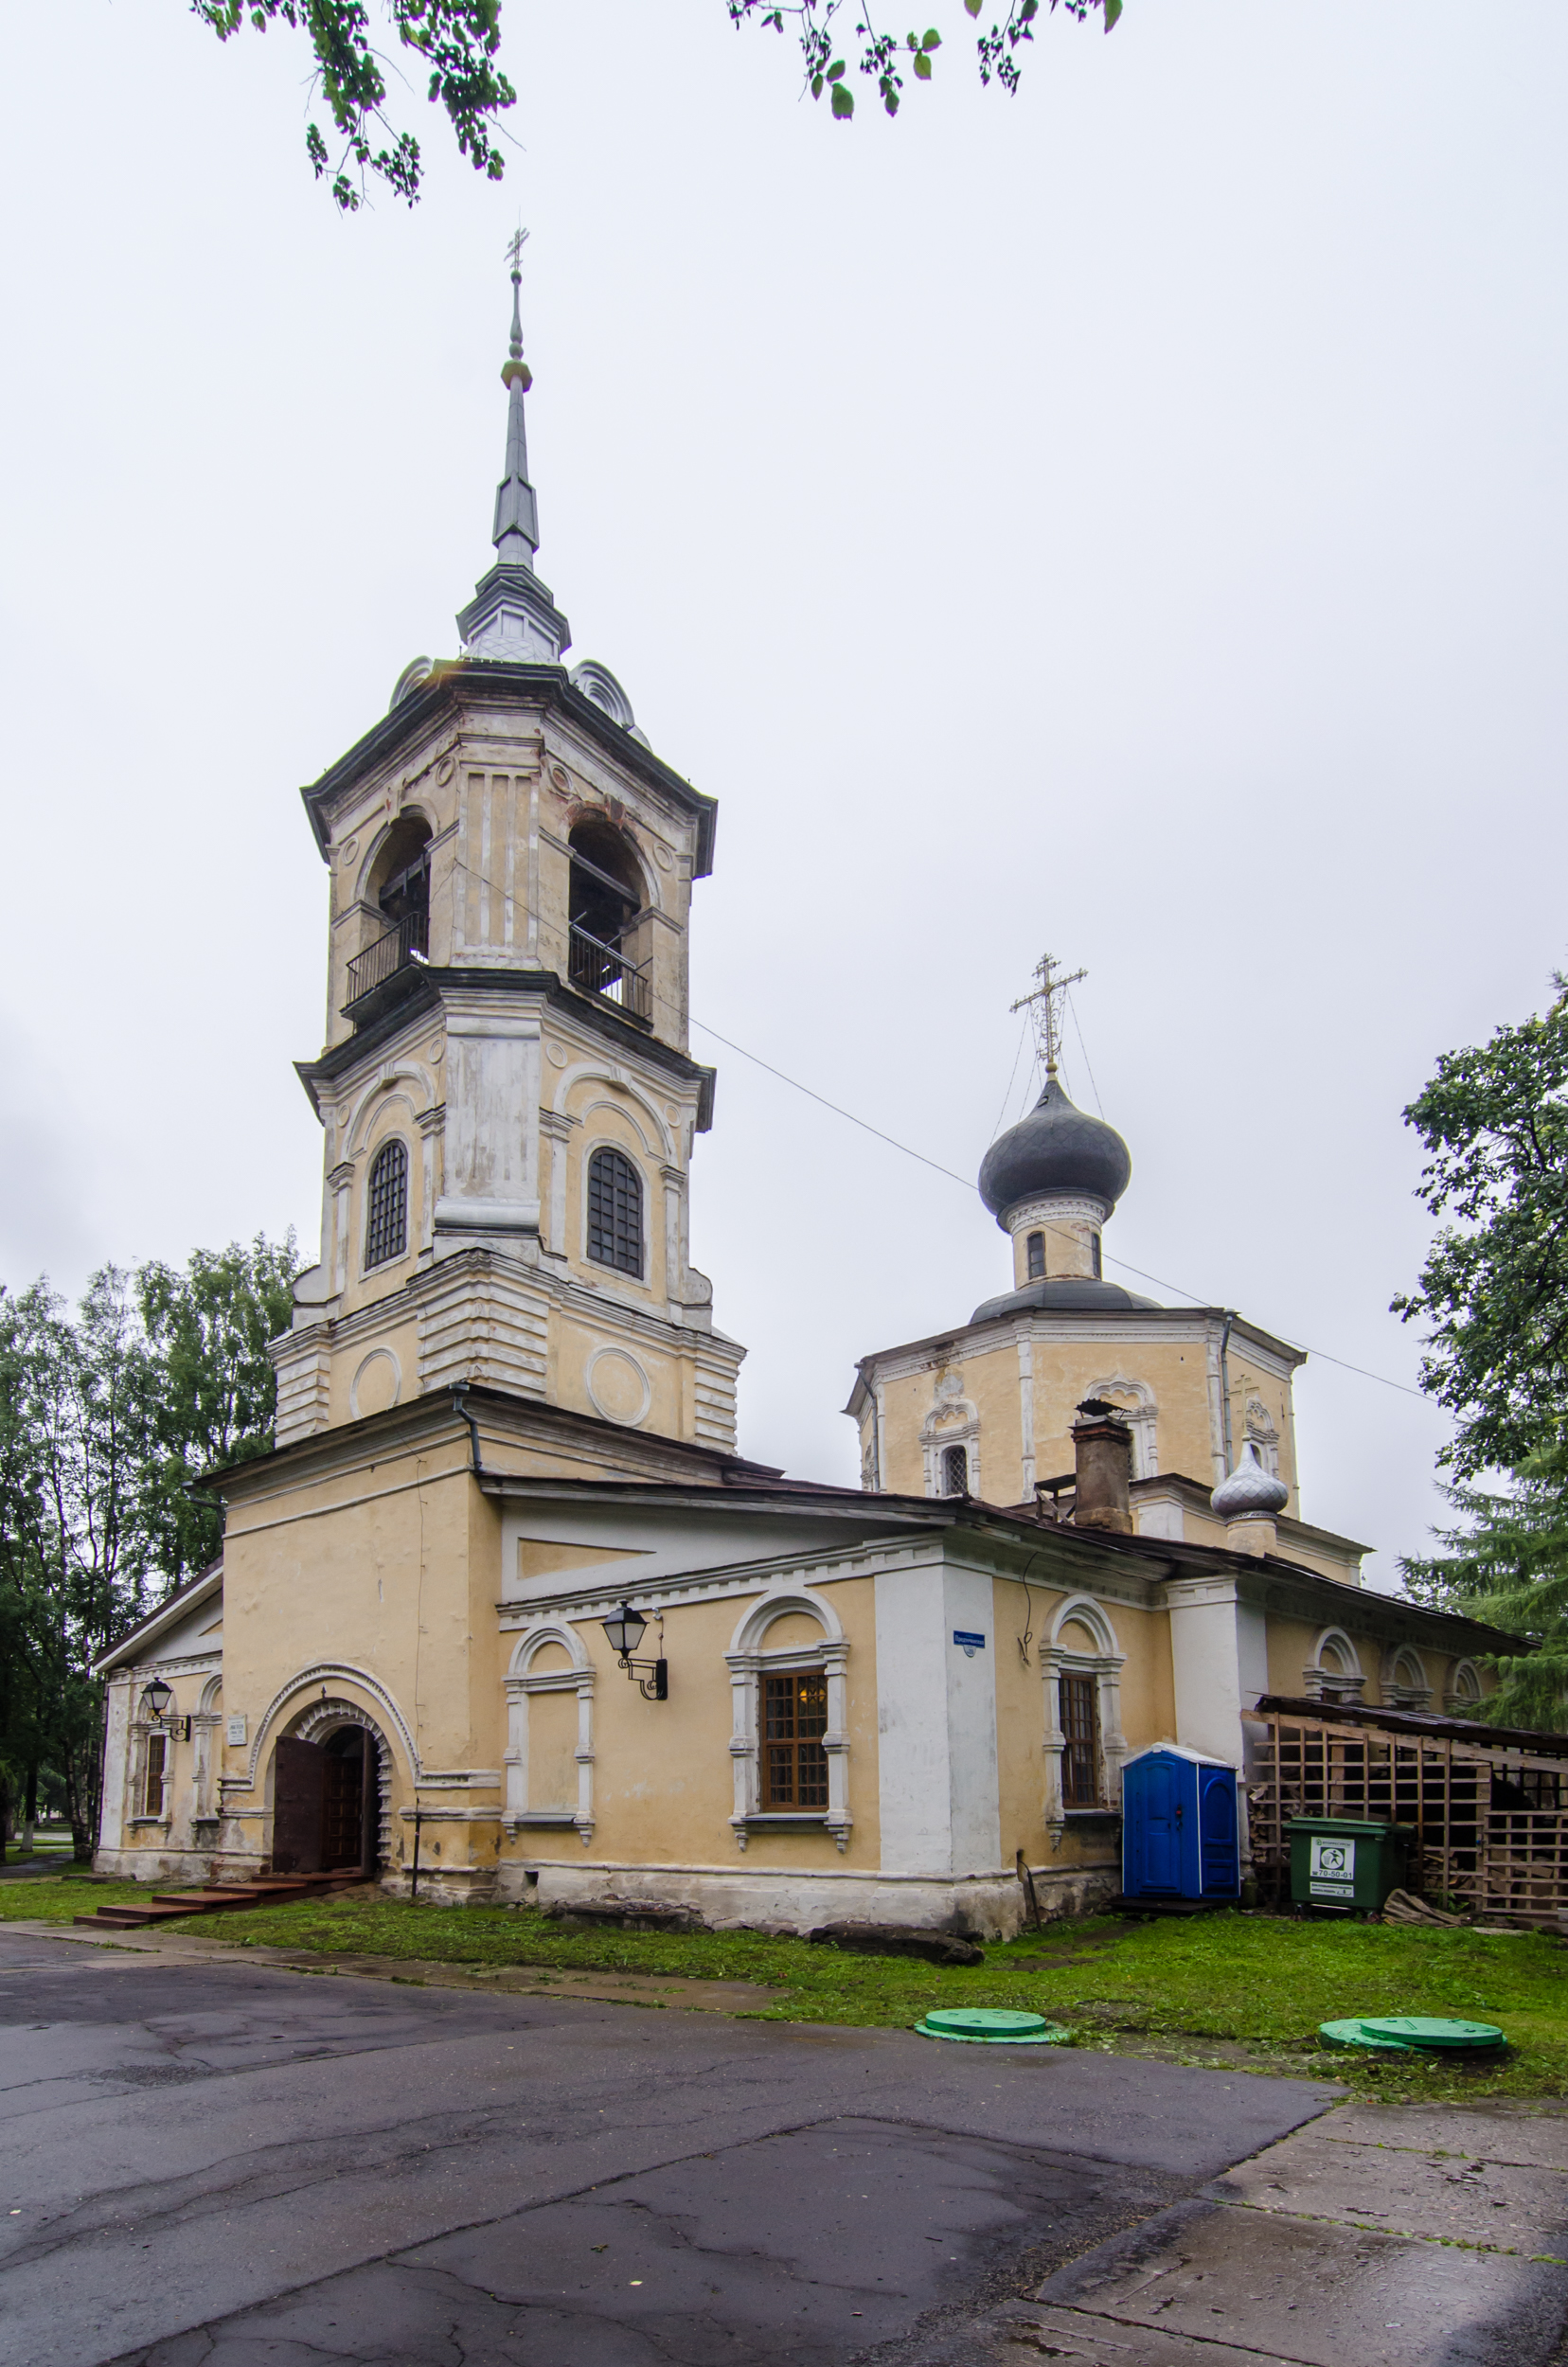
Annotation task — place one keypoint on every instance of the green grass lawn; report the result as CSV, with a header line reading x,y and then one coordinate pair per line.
x,y
1196,1989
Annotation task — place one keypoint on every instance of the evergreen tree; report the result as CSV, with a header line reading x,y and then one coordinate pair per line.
x,y
1494,1289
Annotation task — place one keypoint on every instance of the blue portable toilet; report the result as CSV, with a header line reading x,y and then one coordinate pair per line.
x,y
1181,1830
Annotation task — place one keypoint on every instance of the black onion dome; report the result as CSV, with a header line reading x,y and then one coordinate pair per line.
x,y
1055,1148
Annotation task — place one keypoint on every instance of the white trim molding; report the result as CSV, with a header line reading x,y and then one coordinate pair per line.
x,y
1105,1664
1462,1698
749,1660
1143,1417
1403,1680
522,1684
1334,1673
954,1420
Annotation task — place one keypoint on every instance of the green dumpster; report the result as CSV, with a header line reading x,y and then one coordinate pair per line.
x,y
1343,1866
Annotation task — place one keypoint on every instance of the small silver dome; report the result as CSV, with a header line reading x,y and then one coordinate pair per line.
x,y
1250,1489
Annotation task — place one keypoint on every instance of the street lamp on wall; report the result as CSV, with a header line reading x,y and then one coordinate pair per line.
x,y
625,1630
155,1701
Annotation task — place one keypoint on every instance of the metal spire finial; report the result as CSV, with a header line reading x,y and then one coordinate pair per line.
x,y
516,367
1041,1004
512,616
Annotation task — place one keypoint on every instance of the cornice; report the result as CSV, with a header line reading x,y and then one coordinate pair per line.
x,y
456,686
431,990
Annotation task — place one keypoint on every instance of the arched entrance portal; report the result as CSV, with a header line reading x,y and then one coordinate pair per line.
x,y
328,1794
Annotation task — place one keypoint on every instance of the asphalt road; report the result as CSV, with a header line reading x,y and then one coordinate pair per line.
x,y
228,2166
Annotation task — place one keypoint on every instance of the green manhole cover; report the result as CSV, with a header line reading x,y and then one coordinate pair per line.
x,y
1421,2030
1360,2033
991,2025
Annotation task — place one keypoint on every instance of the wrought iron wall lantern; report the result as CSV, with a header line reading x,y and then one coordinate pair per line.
x,y
155,1701
626,1630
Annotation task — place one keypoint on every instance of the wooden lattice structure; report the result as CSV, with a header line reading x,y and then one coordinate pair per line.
x,y
1489,1806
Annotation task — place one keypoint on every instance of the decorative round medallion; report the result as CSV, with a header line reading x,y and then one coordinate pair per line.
x,y
663,857
348,850
555,1055
376,1384
445,770
619,1388
561,778
672,1114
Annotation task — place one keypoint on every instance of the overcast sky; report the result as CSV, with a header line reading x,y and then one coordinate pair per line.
x,y
1126,519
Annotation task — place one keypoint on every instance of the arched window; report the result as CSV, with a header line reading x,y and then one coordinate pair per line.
x,y
1095,1256
954,1472
386,1211
614,1212
1036,1246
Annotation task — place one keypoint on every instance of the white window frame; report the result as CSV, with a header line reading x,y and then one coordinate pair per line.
x,y
1143,1420
522,1684
1405,1683
749,1660
1457,1703
1334,1684
1105,1665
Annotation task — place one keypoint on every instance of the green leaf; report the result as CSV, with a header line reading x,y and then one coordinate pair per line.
x,y
843,100
933,39
835,70
1113,9
973,7
922,67
816,86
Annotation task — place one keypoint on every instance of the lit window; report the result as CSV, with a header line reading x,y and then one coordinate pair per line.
x,y
614,1212
954,1472
153,1786
1037,1256
1081,1753
387,1218
794,1765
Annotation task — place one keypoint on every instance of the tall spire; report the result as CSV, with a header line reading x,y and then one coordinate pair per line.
x,y
512,616
516,535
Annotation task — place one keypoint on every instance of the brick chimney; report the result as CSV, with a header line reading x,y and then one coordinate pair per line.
x,y
1102,1452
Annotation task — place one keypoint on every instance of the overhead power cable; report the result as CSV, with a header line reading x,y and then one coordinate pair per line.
x,y
1197,1298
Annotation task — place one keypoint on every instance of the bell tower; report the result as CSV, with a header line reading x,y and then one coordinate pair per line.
x,y
506,1090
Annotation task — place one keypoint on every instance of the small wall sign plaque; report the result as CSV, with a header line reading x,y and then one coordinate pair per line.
x,y
234,1731
967,1643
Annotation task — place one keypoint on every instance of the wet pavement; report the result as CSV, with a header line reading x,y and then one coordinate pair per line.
x,y
212,2161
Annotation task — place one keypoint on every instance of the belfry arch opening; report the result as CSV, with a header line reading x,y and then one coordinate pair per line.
x,y
396,910
608,949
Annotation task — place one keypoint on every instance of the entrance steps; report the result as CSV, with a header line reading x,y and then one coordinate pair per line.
x,y
168,1906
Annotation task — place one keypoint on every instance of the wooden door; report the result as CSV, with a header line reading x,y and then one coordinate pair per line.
x,y
342,1819
299,1773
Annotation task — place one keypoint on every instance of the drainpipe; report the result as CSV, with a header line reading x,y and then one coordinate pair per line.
x,y
465,1413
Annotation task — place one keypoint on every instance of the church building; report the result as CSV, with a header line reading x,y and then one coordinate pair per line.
x,y
508,1604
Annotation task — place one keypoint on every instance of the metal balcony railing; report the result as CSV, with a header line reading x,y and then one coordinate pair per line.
x,y
605,969
389,954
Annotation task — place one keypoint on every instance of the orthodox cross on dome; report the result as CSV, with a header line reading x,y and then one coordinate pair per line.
x,y
1042,1006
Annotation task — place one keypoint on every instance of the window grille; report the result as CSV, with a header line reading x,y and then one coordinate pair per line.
x,y
954,1472
614,1212
794,1765
1037,1256
1081,1755
154,1781
387,1218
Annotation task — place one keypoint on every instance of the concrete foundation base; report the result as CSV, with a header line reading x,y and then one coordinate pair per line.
x,y
983,1906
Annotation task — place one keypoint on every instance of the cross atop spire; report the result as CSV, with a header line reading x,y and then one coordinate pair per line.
x,y
512,616
1042,1006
